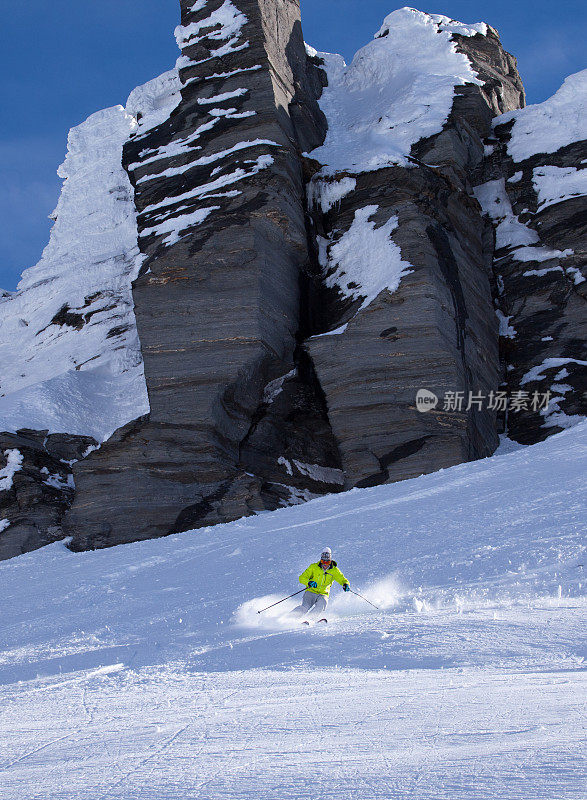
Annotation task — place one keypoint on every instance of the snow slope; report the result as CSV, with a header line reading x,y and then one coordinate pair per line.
x,y
398,89
86,270
546,127
69,349
145,672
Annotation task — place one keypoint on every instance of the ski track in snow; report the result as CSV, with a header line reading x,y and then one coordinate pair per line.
x,y
144,671
392,735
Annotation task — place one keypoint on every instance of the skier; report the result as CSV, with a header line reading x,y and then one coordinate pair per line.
x,y
318,578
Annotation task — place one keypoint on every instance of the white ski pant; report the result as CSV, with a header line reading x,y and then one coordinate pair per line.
x,y
311,602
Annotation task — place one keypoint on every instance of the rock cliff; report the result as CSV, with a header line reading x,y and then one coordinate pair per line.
x,y
287,250
404,252
533,186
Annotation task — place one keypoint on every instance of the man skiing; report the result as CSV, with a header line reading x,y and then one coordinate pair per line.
x,y
318,579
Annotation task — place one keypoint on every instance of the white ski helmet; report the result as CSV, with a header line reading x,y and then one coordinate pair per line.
x,y
326,554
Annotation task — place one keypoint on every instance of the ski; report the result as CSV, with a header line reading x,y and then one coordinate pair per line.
x,y
323,619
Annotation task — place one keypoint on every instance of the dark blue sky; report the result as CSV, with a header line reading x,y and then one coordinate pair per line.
x,y
62,60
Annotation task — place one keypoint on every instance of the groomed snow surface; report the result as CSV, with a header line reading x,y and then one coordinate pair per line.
x,y
145,671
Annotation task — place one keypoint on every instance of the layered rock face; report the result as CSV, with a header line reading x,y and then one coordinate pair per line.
x,y
219,194
288,249
432,327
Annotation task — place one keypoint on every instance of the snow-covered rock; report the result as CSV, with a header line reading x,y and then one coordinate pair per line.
x,y
397,90
539,207
70,354
549,126
259,261
36,486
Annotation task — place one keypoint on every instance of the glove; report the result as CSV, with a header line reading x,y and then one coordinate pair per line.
x,y
346,587
312,585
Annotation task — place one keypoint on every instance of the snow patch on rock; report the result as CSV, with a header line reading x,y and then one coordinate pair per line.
x,y
540,254
172,228
177,219
554,416
365,260
57,481
172,171
14,461
325,194
537,372
505,328
576,275
510,233
316,472
224,25
274,388
557,184
540,273
319,473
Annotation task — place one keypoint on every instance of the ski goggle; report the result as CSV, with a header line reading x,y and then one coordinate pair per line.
x,y
326,561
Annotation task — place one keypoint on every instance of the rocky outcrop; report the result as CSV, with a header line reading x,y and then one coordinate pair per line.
x,y
308,245
435,328
219,193
36,487
534,188
436,331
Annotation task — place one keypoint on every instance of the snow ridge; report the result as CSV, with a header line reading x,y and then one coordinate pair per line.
x,y
546,127
68,342
397,90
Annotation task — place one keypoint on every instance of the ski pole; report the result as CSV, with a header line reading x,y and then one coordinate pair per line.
x,y
281,601
365,599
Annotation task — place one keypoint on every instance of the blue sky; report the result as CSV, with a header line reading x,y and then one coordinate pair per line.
x,y
62,60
